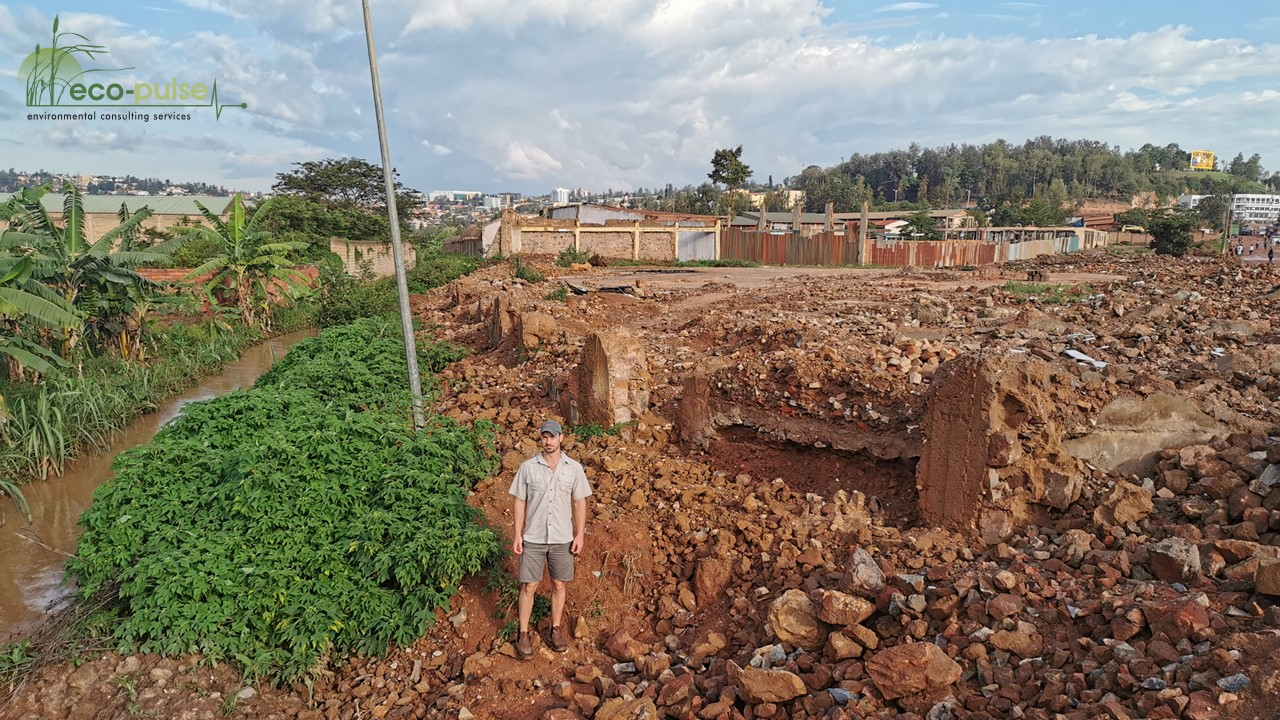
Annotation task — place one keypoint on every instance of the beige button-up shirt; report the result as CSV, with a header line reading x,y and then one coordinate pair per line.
x,y
549,496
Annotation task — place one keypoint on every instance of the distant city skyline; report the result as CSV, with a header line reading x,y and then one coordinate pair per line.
x,y
527,97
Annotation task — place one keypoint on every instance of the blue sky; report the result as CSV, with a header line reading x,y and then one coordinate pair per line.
x,y
518,95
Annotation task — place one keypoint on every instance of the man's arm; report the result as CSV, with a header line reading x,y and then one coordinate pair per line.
x,y
517,544
579,524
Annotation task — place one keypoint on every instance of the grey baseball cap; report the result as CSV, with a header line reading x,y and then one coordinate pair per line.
x,y
551,426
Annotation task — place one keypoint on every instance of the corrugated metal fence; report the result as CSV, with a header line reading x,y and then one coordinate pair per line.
x,y
785,248
839,248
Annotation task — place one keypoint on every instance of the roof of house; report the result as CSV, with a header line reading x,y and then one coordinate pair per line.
x,y
159,204
641,212
786,217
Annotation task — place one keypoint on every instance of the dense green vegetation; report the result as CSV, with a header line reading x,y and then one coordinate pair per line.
x,y
1060,172
81,330
344,298
296,521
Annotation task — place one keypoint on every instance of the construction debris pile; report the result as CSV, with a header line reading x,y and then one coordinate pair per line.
x,y
874,494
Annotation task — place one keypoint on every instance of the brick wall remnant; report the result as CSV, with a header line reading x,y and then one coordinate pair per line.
x,y
502,318
992,445
610,384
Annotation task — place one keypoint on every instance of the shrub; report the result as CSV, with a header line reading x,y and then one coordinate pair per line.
x,y
585,432
195,252
344,299
568,257
524,271
297,520
560,294
436,269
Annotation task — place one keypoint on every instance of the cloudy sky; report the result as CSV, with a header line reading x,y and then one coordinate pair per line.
x,y
528,95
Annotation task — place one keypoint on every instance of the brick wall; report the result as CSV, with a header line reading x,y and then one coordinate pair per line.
x,y
607,244
658,245
551,243
378,255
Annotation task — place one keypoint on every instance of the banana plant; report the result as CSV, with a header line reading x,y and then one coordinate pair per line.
x,y
26,307
251,264
74,266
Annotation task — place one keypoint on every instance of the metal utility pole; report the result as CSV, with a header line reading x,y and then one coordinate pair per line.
x,y
397,250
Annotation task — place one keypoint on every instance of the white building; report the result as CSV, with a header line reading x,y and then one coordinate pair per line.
x,y
452,195
560,195
1261,208
494,202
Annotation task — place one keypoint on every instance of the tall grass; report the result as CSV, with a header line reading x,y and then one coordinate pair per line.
x,y
80,410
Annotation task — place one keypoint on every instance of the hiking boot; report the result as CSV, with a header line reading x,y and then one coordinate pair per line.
x,y
524,646
558,641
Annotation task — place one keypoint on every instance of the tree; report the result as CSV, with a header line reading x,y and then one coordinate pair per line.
x,y
921,224
728,169
1212,210
315,222
342,181
1134,216
348,185
250,263
1172,231
777,201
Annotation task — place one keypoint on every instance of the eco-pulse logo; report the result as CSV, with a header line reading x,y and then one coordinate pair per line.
x,y
55,78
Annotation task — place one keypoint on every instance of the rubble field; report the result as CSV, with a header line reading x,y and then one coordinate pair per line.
x,y
837,493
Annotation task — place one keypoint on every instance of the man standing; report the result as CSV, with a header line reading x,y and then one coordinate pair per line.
x,y
550,491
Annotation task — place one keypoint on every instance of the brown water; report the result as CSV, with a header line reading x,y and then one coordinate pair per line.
x,y
32,559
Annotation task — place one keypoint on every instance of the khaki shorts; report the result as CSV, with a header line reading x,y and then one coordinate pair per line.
x,y
537,556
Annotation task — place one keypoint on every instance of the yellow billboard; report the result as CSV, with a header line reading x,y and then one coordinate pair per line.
x,y
1201,159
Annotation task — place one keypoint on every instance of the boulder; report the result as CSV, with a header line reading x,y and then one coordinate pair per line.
x,y
711,579
621,646
536,329
795,620
840,647
1266,578
1174,560
839,608
931,310
772,686
502,319
911,669
862,576
1024,641
623,709
1125,504
1176,619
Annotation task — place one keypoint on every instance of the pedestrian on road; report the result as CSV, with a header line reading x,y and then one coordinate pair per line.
x,y
1271,255
550,491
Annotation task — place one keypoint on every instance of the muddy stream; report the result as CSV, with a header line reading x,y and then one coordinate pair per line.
x,y
31,573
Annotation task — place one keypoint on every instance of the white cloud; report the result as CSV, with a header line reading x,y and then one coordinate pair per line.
x,y
527,163
434,148
631,92
906,7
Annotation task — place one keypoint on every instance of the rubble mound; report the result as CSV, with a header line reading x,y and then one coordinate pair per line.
x,y
869,494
